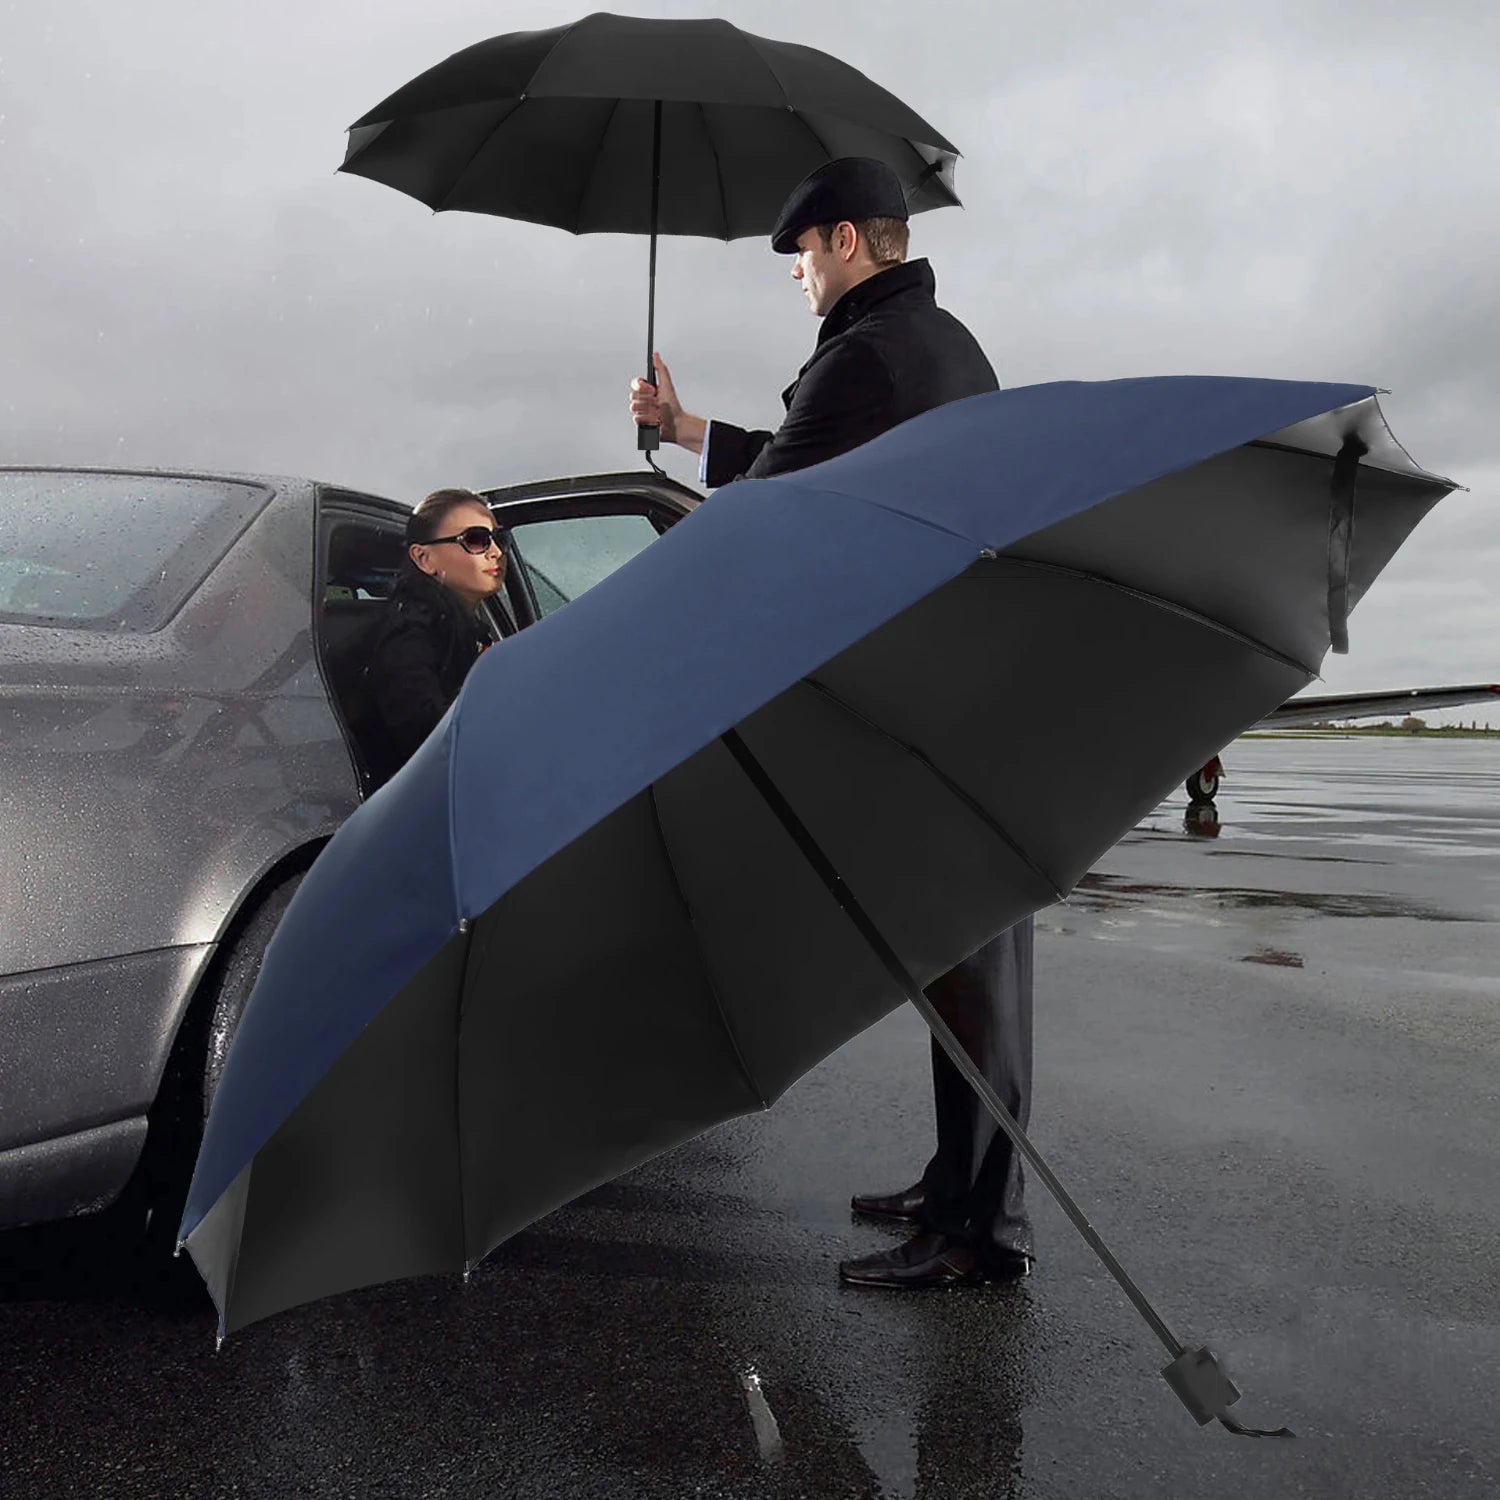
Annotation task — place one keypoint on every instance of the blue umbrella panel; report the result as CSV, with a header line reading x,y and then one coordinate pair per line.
x,y
573,931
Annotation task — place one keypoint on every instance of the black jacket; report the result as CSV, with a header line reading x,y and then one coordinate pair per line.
x,y
421,652
886,352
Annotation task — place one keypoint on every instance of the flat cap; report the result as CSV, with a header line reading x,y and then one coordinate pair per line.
x,y
852,187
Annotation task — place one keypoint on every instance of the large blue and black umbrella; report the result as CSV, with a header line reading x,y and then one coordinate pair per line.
x,y
680,840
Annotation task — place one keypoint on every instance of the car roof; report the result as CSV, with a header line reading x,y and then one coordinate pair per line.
x,y
282,484
279,481
633,481
581,484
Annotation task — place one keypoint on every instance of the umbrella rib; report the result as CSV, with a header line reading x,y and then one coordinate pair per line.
x,y
1171,606
465,930
489,135
588,182
567,32
713,989
458,1103
754,44
713,146
806,124
923,759
1416,475
239,1244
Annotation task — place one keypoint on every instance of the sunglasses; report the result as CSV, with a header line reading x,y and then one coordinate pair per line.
x,y
475,539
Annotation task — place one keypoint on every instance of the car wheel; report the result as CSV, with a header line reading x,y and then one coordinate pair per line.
x,y
194,1070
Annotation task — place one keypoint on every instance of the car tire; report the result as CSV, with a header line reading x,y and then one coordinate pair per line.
x,y
192,1076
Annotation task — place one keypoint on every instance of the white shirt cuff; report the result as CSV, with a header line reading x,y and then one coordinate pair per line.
x,y
708,428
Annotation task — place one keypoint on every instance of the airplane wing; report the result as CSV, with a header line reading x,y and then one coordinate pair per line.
x,y
1331,708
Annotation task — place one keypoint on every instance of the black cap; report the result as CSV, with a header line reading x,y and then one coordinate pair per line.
x,y
853,188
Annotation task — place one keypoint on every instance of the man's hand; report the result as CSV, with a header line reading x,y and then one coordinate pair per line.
x,y
657,406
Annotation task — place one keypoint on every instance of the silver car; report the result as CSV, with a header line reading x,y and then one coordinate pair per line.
x,y
181,709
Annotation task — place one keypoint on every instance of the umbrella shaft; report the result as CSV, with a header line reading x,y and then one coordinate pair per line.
x,y
898,971
1007,1122
655,213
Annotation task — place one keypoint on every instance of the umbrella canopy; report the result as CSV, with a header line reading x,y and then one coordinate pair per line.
x,y
641,127
557,127
572,932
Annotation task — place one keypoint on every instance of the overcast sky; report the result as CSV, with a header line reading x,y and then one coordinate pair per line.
x,y
1306,191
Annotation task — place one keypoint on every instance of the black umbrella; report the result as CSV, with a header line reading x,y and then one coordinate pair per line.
x,y
618,123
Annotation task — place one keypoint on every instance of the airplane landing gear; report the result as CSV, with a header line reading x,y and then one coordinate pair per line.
x,y
1203,784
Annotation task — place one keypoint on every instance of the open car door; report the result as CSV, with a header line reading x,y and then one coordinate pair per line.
x,y
565,535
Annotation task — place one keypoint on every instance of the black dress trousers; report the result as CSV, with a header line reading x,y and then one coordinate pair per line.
x,y
974,1183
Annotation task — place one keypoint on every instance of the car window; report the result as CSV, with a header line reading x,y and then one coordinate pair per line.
x,y
115,552
363,560
568,555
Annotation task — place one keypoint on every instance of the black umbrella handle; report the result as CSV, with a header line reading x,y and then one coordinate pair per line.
x,y
648,439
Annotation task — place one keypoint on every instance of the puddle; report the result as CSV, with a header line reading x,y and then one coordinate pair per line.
x,y
762,1418
1099,891
1276,956
1306,859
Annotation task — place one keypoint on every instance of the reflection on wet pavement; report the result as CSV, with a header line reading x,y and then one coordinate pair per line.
x,y
762,1418
1339,827
1201,820
1277,957
1100,891
1407,795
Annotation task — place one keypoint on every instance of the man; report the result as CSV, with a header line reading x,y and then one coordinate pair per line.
x,y
886,352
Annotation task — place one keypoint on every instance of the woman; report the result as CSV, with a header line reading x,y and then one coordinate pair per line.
x,y
432,633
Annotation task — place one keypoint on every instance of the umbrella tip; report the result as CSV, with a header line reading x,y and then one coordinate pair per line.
x,y
1207,1391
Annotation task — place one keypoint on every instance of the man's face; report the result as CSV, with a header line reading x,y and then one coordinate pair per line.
x,y
824,274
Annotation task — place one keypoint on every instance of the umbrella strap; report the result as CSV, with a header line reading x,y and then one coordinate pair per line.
x,y
1341,539
1193,1374
929,171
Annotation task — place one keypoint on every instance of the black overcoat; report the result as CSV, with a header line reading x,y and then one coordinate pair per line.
x,y
886,352
420,654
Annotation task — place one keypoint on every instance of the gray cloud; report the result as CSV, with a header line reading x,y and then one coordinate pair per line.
x,y
1301,191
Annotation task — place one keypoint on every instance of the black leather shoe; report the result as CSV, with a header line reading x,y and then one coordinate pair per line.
x,y
934,1260
906,1205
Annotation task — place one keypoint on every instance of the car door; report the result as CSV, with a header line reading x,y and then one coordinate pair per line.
x,y
566,535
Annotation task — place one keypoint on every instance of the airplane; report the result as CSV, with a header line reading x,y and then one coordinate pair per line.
x,y
1203,785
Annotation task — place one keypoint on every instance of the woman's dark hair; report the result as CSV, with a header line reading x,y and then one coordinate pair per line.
x,y
426,521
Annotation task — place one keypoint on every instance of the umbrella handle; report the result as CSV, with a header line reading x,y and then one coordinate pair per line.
x,y
648,439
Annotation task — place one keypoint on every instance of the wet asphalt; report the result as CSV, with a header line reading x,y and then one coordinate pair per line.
x,y
1267,1066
